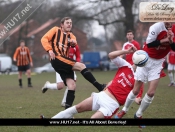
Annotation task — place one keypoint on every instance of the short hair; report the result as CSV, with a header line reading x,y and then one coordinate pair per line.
x,y
21,41
130,31
63,19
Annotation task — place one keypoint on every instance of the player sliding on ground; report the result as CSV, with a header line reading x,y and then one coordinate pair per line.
x,y
107,102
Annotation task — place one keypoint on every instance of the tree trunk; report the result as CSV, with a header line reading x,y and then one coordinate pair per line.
x,y
129,21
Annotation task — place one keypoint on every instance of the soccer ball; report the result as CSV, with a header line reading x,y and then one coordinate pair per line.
x,y
140,58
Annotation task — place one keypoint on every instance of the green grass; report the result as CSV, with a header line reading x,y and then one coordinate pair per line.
x,y
27,102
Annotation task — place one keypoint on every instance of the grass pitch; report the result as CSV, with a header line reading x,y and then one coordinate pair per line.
x,y
27,102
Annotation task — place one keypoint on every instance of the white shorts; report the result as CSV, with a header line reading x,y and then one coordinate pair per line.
x,y
171,67
104,103
150,71
58,77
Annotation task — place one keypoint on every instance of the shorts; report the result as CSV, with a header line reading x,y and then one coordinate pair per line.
x,y
151,71
171,67
105,104
58,78
24,68
63,68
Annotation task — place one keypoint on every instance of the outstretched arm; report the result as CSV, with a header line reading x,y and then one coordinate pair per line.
x,y
117,53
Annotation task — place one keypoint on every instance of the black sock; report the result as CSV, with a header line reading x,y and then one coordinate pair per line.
x,y
29,81
88,76
70,98
20,82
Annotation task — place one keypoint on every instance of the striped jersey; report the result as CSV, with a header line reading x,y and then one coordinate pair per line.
x,y
58,41
22,55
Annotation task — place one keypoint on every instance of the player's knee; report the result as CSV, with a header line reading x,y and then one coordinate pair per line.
x,y
79,108
135,91
169,71
150,94
71,86
60,85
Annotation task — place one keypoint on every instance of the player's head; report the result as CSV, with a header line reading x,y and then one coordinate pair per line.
x,y
168,25
66,24
22,43
129,35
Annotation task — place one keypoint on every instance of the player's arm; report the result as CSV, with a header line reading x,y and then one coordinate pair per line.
x,y
167,59
46,39
117,53
73,40
29,56
77,53
171,39
151,40
15,54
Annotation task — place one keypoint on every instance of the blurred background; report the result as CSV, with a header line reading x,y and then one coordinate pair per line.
x,y
99,25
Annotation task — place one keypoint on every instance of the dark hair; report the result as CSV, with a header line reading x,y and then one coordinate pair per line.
x,y
130,31
63,19
21,41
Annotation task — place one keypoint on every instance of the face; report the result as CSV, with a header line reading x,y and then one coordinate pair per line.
x,y
67,25
168,25
129,36
22,44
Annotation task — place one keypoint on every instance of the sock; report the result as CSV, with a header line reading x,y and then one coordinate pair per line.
x,y
68,113
20,82
88,76
70,98
29,81
129,100
64,97
146,101
52,86
171,77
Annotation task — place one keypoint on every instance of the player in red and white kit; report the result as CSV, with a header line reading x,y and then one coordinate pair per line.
x,y
107,102
73,52
159,42
128,57
171,67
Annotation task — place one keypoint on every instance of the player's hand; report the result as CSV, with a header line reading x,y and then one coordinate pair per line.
x,y
170,36
132,49
138,100
72,42
31,64
52,55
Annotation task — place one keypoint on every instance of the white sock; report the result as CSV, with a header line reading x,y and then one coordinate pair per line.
x,y
67,113
146,101
129,100
52,86
171,77
65,95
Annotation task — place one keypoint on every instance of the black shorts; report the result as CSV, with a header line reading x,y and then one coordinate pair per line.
x,y
64,69
24,68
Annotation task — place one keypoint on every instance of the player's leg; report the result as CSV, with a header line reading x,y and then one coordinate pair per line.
x,y
149,96
28,71
71,92
63,102
88,75
20,78
130,99
85,105
20,69
154,75
170,74
54,86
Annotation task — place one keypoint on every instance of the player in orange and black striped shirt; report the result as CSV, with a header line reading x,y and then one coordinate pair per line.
x,y
57,42
24,61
